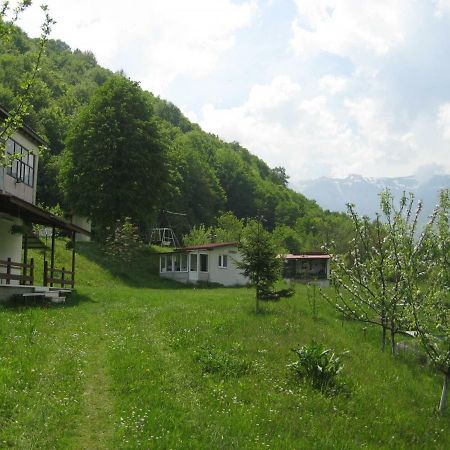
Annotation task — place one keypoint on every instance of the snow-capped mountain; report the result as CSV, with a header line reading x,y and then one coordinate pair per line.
x,y
335,193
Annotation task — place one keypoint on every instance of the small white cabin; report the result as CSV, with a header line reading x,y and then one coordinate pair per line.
x,y
214,263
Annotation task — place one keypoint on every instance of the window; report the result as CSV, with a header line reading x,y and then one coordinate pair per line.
x,y
184,262
176,263
223,261
163,262
169,263
22,169
203,263
193,262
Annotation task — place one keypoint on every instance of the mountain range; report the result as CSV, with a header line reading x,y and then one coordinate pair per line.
x,y
334,193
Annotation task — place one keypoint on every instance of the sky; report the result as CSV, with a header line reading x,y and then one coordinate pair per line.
x,y
320,87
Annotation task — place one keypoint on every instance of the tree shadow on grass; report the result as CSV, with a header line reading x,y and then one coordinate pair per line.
x,y
141,272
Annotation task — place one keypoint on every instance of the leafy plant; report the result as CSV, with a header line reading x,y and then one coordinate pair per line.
x,y
317,364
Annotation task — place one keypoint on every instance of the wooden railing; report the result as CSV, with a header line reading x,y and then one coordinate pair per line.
x,y
23,278
67,277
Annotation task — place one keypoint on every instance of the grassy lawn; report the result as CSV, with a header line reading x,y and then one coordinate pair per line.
x,y
132,361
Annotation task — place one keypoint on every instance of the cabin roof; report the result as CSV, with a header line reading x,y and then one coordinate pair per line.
x,y
17,207
25,129
308,256
210,246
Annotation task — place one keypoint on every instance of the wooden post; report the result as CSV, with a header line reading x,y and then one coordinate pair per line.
x,y
8,270
32,271
52,256
45,273
73,259
63,275
25,256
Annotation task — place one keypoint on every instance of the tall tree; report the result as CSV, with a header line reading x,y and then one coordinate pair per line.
x,y
260,261
114,163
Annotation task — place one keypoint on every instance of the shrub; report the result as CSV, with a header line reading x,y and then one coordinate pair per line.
x,y
318,365
123,241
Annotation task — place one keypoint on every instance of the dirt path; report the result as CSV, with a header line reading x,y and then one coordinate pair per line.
x,y
97,424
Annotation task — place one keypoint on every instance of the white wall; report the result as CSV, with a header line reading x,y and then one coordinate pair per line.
x,y
229,276
10,244
9,184
82,222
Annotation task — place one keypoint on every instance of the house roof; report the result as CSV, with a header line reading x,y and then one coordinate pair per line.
x,y
210,246
29,132
308,256
16,207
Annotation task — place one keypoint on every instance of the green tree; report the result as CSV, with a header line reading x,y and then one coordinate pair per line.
x,y
198,235
428,293
22,98
229,228
260,261
114,164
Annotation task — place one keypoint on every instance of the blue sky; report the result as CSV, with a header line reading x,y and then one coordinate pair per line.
x,y
321,87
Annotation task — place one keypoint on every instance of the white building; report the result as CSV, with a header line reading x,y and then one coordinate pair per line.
x,y
18,211
214,263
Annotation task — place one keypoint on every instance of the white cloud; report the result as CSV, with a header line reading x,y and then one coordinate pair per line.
x,y
152,41
442,7
311,135
346,27
333,84
443,120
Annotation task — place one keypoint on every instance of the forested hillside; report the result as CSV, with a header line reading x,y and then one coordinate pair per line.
x,y
162,161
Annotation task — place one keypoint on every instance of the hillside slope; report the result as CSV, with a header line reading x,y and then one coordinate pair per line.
x,y
208,175
132,361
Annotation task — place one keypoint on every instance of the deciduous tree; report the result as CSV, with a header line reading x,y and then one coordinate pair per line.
x,y
114,163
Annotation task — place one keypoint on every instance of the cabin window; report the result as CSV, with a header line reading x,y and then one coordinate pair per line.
x,y
169,263
163,262
193,262
22,169
176,263
203,262
184,263
223,261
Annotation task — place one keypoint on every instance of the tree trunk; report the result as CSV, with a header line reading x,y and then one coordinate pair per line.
x,y
257,299
383,339
393,344
443,402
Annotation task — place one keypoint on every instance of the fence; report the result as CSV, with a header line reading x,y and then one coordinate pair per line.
x,y
23,278
67,277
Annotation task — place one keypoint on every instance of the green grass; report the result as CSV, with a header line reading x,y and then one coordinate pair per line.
x,y
132,361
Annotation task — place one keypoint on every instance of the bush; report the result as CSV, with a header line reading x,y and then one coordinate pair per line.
x,y
123,242
320,366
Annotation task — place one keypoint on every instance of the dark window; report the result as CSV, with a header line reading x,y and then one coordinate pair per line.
x,y
184,262
223,261
163,263
203,263
193,262
22,168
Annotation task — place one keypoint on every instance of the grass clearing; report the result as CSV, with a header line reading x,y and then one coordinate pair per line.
x,y
133,361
